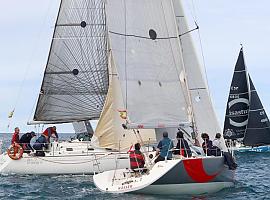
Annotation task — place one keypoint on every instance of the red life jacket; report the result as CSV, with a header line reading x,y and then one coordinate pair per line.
x,y
136,159
49,132
15,138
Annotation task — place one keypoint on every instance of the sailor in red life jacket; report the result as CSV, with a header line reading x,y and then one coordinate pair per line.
x,y
137,160
15,137
50,132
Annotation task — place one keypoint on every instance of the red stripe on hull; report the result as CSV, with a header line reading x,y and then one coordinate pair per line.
x,y
195,169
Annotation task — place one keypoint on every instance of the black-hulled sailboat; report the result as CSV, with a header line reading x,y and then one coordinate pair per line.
x,y
246,123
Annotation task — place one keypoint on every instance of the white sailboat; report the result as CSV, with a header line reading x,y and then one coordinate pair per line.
x,y
164,88
80,84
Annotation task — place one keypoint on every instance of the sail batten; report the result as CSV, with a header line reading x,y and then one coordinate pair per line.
x,y
75,82
145,46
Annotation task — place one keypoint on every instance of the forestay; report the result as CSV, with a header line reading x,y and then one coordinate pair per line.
x,y
145,45
236,118
110,132
258,127
203,111
75,81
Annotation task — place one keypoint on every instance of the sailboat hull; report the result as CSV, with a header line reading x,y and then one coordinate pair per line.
x,y
76,164
65,158
259,149
182,176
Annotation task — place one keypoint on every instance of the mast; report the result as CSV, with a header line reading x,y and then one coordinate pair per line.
x,y
236,118
202,107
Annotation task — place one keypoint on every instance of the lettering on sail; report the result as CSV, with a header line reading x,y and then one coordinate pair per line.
x,y
238,112
234,96
264,120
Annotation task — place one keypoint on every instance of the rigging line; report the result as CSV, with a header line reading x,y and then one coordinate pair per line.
x,y
99,80
86,87
84,55
142,37
69,50
188,101
77,105
194,29
39,96
71,102
74,55
194,11
86,97
31,59
68,113
70,163
72,105
125,56
102,42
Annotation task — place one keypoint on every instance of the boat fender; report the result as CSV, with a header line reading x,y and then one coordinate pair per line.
x,y
15,151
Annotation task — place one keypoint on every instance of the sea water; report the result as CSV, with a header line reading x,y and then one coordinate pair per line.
x,y
252,182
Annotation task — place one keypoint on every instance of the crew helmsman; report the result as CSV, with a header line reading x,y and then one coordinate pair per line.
x,y
136,157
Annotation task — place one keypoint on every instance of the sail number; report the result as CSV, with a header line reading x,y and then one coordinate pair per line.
x,y
234,88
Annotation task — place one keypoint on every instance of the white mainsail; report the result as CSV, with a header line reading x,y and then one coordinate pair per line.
x,y
145,47
75,80
203,110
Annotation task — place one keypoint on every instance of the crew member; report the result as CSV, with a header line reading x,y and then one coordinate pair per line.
x,y
15,137
182,145
227,155
207,144
164,148
136,157
25,141
50,132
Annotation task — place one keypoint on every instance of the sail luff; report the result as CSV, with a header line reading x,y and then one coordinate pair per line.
x,y
75,82
203,112
39,96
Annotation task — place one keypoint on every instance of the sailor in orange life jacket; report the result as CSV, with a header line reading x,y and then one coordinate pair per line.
x,y
50,132
15,137
137,158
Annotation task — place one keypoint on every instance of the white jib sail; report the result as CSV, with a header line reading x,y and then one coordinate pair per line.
x,y
145,46
109,132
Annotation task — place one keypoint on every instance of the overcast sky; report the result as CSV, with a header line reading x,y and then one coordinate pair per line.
x,y
26,31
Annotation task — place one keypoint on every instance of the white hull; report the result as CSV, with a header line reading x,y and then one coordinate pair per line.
x,y
60,161
169,177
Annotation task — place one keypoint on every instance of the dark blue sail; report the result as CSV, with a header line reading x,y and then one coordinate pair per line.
x,y
258,128
236,117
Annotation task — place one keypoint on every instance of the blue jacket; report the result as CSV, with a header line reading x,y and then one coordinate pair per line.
x,y
165,145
